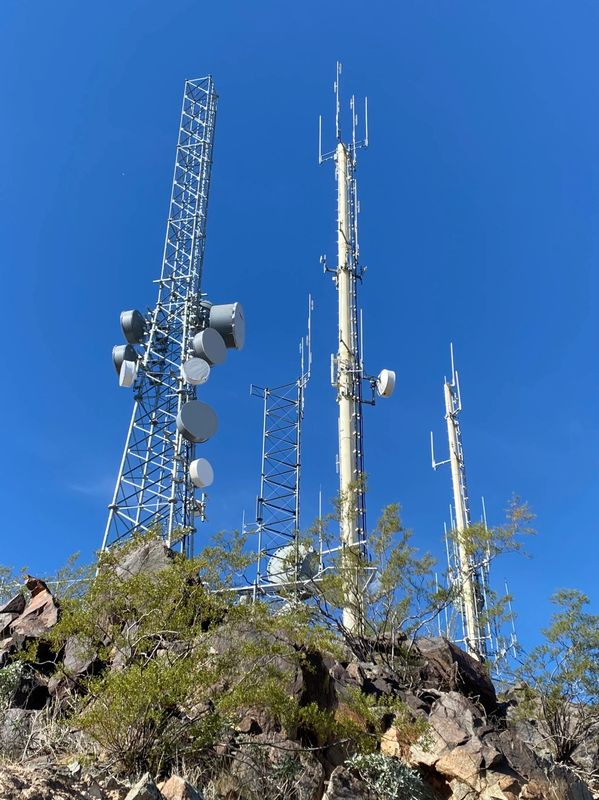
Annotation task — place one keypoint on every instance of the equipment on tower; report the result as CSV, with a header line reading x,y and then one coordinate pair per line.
x,y
348,374
170,352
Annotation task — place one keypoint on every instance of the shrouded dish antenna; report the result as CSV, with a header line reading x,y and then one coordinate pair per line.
x,y
292,562
210,345
229,321
385,383
201,473
196,371
197,422
133,325
123,352
128,373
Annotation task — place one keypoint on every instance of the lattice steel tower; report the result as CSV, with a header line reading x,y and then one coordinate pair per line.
x,y
177,342
282,563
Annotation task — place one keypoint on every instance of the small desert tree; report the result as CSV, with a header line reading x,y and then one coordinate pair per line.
x,y
403,593
562,679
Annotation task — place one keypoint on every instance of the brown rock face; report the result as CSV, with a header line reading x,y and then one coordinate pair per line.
x,y
32,620
471,760
178,789
450,669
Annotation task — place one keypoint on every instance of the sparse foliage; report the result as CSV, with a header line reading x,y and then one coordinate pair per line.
x,y
389,778
562,679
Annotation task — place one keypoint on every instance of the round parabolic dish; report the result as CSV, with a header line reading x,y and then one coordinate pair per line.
x,y
197,421
201,473
281,565
123,352
196,371
128,373
229,321
385,383
210,345
133,325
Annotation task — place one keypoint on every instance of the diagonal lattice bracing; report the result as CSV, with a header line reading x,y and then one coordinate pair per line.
x,y
153,485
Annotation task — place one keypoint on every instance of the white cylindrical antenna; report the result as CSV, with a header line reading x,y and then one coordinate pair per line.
x,y
361,341
438,615
452,364
513,637
337,105
482,500
320,139
354,122
366,121
320,530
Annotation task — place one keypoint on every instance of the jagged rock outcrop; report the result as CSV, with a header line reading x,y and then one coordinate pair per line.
x,y
176,788
145,789
22,783
469,758
474,748
21,620
149,558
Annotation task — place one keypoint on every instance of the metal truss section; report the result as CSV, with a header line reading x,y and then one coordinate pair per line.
x,y
153,487
277,526
278,505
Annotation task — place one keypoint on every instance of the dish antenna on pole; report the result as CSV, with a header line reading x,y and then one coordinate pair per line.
x,y
347,367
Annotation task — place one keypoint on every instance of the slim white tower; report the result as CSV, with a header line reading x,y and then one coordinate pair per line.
x,y
468,577
348,373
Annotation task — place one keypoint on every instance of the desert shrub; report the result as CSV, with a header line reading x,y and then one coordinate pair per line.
x,y
389,778
10,678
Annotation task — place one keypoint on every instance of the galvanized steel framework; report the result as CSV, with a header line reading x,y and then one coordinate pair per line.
x,y
278,505
153,485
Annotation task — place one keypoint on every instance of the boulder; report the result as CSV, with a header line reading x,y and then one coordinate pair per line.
x,y
374,679
472,760
343,785
10,611
19,783
144,789
15,729
78,660
449,669
176,788
39,614
149,558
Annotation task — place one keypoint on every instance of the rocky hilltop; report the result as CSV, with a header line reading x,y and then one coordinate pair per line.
x,y
441,731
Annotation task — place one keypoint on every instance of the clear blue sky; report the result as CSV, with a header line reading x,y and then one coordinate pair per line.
x,y
479,225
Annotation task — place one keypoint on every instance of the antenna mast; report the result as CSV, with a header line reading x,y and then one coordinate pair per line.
x,y
466,572
348,368
279,555
181,338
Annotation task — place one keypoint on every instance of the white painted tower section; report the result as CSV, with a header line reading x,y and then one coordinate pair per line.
x,y
462,520
347,367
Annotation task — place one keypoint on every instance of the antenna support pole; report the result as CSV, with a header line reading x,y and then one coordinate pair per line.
x,y
347,367
462,521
